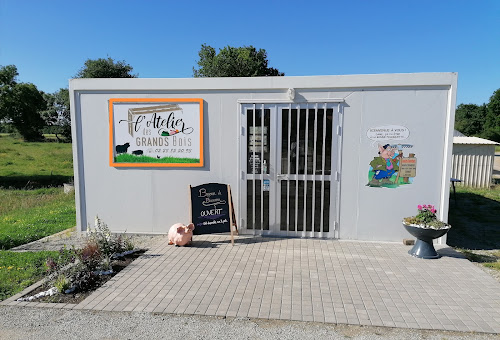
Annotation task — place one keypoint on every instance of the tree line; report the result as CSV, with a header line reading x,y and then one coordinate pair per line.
x,y
30,112
480,120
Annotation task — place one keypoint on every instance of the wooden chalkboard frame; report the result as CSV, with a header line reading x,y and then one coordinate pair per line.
x,y
233,227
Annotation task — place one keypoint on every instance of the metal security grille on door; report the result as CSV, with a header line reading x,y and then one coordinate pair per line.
x,y
290,161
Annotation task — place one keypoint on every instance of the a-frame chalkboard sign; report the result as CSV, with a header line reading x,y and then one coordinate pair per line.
x,y
212,209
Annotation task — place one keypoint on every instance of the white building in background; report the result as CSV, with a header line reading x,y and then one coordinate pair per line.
x,y
473,160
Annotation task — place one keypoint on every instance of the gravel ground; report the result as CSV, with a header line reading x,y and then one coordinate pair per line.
x,y
44,323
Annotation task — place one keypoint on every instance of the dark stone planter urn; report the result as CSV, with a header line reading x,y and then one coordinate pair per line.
x,y
423,248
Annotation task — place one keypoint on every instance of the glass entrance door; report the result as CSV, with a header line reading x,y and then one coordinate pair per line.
x,y
291,162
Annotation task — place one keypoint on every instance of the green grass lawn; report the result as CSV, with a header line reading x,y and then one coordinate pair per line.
x,y
28,215
31,165
20,270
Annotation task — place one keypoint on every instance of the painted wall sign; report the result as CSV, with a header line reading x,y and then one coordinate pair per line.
x,y
156,132
211,208
391,168
408,167
387,132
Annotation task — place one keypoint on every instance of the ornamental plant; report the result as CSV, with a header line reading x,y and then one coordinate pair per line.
x,y
107,242
101,235
96,255
62,283
90,255
426,218
426,214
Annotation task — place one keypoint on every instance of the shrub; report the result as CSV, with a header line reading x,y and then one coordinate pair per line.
x,y
109,244
82,278
90,255
95,255
62,283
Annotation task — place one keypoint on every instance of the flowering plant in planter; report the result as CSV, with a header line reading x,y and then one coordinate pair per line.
x,y
426,218
425,227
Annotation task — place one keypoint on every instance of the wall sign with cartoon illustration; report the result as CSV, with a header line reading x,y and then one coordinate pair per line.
x,y
390,168
156,132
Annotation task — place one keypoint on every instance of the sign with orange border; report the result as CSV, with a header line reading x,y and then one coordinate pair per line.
x,y
156,132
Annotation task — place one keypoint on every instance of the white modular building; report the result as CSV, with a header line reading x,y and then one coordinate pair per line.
x,y
473,161
343,157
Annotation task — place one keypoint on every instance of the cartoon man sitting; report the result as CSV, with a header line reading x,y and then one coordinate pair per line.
x,y
384,166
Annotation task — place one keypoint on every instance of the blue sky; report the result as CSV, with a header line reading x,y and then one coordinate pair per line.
x,y
49,41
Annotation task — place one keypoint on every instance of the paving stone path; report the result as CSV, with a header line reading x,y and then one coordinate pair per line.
x,y
344,282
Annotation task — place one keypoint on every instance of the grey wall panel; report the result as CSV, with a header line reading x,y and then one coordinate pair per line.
x,y
377,211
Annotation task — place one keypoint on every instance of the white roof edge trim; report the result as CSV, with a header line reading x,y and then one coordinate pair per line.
x,y
254,83
473,140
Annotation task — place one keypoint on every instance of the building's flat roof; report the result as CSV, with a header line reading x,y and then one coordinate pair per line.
x,y
258,83
473,140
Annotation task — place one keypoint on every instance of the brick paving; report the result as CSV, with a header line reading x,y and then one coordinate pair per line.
x,y
349,282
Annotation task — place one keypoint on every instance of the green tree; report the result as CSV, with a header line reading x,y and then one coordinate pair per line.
x,y
8,75
480,120
8,79
244,61
57,115
21,104
105,68
492,120
469,118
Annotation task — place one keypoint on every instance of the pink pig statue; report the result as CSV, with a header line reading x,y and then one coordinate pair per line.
x,y
180,235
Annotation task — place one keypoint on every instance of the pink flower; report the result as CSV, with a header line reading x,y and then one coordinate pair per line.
x,y
419,207
433,211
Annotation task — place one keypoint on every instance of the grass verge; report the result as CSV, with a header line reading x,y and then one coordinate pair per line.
x,y
20,270
29,215
490,260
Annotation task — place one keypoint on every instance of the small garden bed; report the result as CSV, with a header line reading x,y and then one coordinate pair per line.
x,y
78,296
74,274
